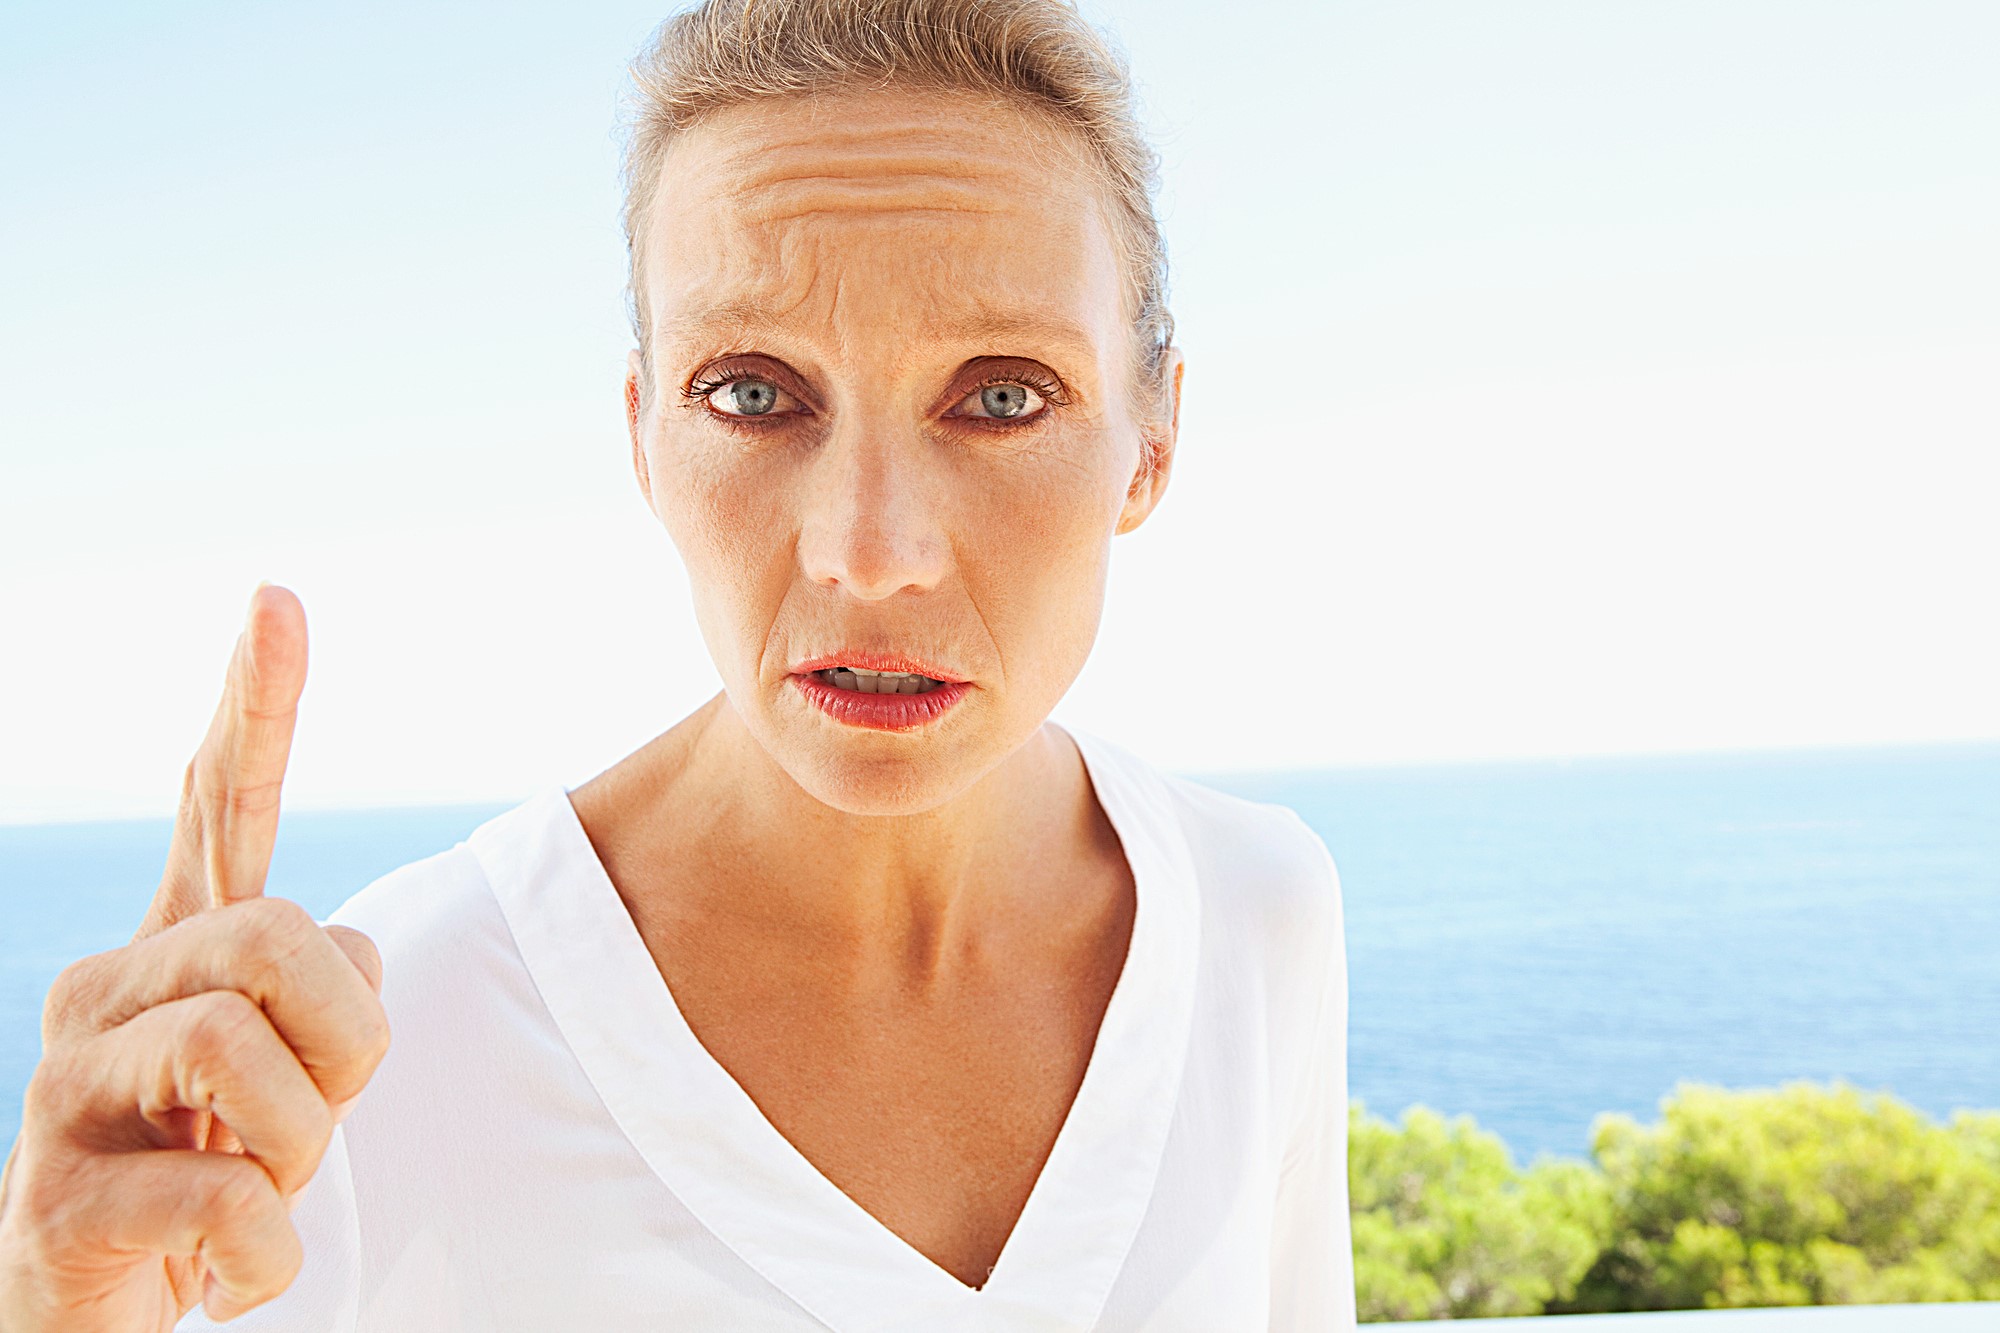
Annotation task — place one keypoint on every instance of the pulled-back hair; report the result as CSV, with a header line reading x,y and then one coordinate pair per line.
x,y
1038,54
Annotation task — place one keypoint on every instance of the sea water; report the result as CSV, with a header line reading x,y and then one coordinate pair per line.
x,y
1532,944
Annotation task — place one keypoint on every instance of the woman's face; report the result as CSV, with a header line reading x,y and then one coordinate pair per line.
x,y
891,424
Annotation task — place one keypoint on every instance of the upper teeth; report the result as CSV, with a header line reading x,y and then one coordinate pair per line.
x,y
881,682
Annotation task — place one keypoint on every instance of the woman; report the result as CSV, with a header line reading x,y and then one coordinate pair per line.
x,y
864,998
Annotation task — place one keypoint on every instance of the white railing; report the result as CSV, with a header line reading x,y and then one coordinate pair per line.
x,y
1971,1317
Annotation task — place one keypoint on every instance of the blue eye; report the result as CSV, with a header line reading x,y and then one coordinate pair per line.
x,y
1003,401
748,397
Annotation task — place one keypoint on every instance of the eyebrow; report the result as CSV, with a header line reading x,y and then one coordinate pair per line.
x,y
729,316
985,325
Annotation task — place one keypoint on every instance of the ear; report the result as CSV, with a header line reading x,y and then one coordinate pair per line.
x,y
634,395
1156,457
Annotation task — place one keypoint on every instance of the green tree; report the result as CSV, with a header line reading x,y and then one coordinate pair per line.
x,y
1445,1227
1803,1195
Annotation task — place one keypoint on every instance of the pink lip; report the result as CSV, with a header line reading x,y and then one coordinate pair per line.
x,y
878,712
860,657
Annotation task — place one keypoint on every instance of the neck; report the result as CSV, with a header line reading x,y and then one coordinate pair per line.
x,y
718,823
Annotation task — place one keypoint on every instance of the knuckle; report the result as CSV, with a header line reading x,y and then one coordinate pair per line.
x,y
288,922
287,1261
252,800
364,1045
369,1048
78,990
223,1023
190,814
374,1035
50,1201
314,1148
282,1260
360,948
236,1191
290,1166
274,931
51,1095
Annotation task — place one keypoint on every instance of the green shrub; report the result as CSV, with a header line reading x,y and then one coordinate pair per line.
x,y
1445,1227
1802,1195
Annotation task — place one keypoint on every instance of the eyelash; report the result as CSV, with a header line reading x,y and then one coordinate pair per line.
x,y
1049,389
1047,386
703,387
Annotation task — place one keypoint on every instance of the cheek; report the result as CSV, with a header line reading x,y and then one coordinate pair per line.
x,y
1050,528
731,522
1037,553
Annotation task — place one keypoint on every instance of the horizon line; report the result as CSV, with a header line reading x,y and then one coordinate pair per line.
x,y
13,820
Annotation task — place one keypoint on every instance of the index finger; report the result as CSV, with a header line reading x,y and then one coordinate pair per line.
x,y
228,816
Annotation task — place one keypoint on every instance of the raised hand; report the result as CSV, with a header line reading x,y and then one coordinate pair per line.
x,y
190,1080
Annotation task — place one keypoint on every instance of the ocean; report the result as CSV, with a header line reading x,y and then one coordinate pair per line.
x,y
1531,944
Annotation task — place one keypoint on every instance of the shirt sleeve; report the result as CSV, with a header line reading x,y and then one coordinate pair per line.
x,y
325,1296
1312,1253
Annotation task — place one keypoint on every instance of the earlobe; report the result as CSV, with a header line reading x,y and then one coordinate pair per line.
x,y
634,368
1149,480
1156,459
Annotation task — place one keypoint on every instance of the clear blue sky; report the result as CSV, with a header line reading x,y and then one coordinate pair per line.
x,y
1564,378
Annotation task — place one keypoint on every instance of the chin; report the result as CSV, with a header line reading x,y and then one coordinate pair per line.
x,y
861,771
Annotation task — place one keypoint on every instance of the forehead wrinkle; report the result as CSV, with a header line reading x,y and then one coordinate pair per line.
x,y
782,192
720,310
810,161
764,186
889,137
804,166
890,198
996,331
797,322
720,324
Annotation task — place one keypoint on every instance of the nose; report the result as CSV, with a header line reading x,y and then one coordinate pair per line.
x,y
872,525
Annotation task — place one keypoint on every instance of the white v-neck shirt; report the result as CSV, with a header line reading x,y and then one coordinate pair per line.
x,y
547,1146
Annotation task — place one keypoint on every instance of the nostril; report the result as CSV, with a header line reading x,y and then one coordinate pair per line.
x,y
871,525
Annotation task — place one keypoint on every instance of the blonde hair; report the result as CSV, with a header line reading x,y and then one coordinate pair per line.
x,y
1039,54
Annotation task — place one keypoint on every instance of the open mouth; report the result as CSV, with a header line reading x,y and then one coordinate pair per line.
x,y
861,680
862,696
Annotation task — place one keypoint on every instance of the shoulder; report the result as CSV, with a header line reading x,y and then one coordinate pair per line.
x,y
1260,854
417,900
1270,900
1259,870
1271,951
427,918
437,921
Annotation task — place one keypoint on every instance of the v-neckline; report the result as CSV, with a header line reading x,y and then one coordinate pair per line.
x,y
707,1141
